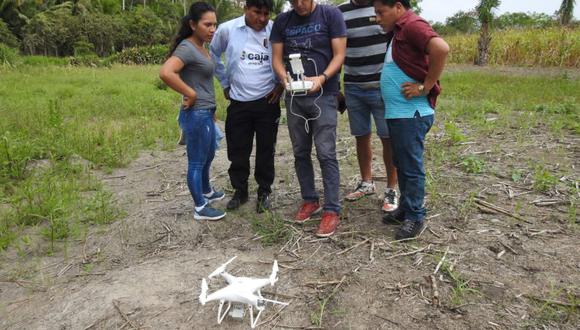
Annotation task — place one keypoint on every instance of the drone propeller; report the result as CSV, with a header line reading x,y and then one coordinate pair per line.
x,y
203,294
273,277
221,268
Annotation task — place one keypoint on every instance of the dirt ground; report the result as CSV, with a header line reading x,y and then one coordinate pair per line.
x,y
512,263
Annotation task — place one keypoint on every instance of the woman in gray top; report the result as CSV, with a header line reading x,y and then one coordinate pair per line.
x,y
189,71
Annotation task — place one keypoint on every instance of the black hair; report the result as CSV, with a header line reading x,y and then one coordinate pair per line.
x,y
260,4
391,3
195,13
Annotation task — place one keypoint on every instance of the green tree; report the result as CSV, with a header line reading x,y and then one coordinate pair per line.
x,y
6,36
416,6
463,21
523,20
566,11
226,9
485,16
52,32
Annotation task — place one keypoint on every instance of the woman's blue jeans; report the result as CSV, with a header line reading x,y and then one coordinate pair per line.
x,y
199,130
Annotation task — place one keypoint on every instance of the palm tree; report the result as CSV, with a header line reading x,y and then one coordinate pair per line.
x,y
485,16
566,11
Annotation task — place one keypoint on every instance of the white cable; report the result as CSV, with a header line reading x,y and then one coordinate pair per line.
x,y
306,120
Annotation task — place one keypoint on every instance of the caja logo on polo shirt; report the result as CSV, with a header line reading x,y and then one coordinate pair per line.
x,y
255,58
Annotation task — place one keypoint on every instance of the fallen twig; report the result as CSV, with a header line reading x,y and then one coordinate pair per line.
x,y
408,253
124,316
499,209
353,247
553,302
276,315
508,247
386,319
435,291
441,261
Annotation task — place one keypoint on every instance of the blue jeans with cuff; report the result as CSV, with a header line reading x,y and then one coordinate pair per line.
x,y
199,130
408,143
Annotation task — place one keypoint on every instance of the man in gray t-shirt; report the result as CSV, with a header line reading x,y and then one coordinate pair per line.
x,y
318,33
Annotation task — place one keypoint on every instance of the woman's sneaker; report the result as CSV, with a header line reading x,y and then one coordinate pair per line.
x,y
214,196
362,189
208,213
391,200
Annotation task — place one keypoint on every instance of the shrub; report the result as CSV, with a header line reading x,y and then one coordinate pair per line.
x,y
88,60
142,55
38,60
8,56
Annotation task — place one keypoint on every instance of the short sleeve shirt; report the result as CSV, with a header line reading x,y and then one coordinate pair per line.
x,y
311,36
197,74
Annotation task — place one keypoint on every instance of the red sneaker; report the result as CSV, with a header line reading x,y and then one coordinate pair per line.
x,y
328,224
306,211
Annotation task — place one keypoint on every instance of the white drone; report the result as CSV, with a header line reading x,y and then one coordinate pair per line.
x,y
241,290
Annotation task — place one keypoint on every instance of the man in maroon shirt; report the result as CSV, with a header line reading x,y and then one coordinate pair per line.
x,y
409,85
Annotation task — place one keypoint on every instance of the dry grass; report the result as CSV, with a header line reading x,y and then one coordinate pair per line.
x,y
554,47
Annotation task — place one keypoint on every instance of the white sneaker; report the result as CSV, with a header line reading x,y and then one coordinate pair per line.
x,y
362,189
391,200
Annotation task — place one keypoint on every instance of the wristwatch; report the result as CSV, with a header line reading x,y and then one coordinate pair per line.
x,y
421,88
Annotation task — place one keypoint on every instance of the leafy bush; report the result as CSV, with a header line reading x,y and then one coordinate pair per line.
x,y
142,55
88,60
8,56
473,164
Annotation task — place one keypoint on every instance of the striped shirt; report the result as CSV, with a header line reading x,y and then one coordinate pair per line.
x,y
366,44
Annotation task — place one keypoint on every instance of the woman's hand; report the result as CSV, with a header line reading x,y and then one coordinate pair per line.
x,y
189,100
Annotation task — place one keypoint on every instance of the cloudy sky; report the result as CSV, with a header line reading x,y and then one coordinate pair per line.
x,y
438,10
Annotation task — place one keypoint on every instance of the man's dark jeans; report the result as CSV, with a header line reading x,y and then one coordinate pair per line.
x,y
244,120
407,139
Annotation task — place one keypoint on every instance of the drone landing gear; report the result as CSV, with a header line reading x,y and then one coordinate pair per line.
x,y
252,321
220,315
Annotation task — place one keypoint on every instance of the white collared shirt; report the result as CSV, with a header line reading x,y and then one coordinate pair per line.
x,y
248,54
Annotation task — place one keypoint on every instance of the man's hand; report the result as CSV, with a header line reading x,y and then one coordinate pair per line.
x,y
275,94
410,90
317,83
227,93
189,100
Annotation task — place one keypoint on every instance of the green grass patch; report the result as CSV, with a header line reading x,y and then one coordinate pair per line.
x,y
473,164
543,179
57,117
271,228
495,102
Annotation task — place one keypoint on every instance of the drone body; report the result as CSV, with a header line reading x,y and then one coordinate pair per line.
x,y
242,290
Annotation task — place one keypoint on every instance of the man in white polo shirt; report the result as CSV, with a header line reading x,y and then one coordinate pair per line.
x,y
250,85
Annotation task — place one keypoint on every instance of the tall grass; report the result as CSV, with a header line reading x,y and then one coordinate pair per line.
x,y
553,47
